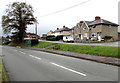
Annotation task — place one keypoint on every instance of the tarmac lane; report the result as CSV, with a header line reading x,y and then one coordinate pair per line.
x,y
31,65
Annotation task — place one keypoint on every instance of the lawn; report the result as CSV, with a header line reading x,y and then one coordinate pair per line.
x,y
43,44
0,69
2,72
84,49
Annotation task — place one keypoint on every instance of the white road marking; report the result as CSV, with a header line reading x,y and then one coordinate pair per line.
x,y
35,57
22,52
69,69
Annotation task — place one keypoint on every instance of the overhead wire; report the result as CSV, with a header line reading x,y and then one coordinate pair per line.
x,y
65,9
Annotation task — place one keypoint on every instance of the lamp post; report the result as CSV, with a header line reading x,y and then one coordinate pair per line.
x,y
36,25
36,28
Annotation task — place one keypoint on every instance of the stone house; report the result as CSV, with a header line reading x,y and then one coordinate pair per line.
x,y
61,31
95,30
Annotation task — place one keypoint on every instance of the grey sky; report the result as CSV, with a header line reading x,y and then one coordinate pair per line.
x,y
106,9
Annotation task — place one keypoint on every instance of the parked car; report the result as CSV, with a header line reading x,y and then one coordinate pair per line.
x,y
68,39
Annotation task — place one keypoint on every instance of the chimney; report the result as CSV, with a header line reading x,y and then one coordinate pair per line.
x,y
63,26
57,28
97,18
81,22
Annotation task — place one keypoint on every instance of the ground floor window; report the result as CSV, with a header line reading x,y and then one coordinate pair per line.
x,y
93,34
85,35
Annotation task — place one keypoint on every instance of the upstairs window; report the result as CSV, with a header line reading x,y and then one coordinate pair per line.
x,y
84,28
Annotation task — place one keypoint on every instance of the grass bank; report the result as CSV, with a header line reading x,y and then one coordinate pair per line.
x,y
43,44
2,72
84,49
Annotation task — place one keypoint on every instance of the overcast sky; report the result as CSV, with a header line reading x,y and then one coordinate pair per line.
x,y
106,9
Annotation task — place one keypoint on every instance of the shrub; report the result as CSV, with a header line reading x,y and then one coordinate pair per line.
x,y
107,37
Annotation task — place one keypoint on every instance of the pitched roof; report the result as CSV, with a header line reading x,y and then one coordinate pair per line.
x,y
101,21
62,29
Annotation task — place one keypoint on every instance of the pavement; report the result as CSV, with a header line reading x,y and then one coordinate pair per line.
x,y
31,65
101,59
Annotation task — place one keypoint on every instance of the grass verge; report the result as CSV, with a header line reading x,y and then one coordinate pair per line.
x,y
2,72
43,44
84,49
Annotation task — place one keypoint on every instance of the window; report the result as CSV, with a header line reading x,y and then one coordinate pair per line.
x,y
93,26
79,35
85,35
93,34
84,28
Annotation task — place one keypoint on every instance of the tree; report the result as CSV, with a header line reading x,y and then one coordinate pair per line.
x,y
18,16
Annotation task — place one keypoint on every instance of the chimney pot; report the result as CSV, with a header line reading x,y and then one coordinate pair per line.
x,y
81,22
97,18
63,26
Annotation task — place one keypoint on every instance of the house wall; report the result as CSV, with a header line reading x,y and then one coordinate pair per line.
x,y
118,36
84,32
110,31
76,32
95,30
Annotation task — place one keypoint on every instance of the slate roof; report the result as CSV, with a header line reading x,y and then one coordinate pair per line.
x,y
62,29
101,21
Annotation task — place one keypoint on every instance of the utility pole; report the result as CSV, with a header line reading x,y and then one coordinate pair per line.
x,y
36,26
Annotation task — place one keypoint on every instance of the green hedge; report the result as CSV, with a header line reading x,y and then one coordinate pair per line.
x,y
54,38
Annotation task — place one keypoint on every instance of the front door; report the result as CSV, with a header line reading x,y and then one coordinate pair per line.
x,y
99,36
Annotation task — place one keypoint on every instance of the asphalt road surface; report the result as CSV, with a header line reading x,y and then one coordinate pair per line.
x,y
30,65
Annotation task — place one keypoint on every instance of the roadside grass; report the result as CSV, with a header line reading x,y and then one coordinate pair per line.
x,y
0,69
106,51
87,49
43,44
2,72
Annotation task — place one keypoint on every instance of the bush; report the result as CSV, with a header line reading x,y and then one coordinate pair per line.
x,y
34,41
107,37
51,38
54,38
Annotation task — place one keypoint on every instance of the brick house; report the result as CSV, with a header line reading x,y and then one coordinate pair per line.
x,y
95,30
32,36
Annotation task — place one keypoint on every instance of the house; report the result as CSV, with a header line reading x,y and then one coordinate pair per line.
x,y
118,35
61,31
44,36
61,34
32,36
97,30
49,33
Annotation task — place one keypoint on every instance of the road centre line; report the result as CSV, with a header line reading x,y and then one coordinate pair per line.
x,y
22,52
35,57
69,69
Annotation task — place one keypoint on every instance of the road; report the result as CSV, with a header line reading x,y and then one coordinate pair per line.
x,y
113,44
31,65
